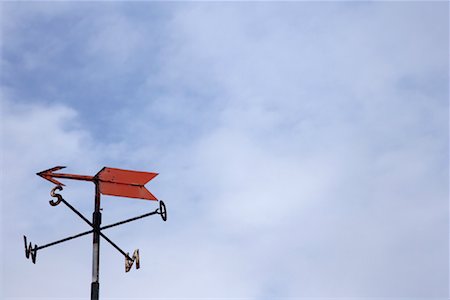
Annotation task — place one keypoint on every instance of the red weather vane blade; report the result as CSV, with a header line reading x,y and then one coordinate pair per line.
x,y
115,182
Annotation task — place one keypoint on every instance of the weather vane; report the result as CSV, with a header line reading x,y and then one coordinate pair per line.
x,y
108,181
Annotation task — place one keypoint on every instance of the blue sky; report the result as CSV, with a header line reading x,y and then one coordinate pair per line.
x,y
302,147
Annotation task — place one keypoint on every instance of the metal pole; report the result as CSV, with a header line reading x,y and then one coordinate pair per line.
x,y
96,221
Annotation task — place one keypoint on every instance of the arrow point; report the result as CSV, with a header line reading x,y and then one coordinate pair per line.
x,y
47,174
51,170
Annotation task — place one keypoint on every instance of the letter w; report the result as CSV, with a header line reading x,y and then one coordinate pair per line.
x,y
30,250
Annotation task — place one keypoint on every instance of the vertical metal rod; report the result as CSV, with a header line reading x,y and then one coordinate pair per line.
x,y
96,221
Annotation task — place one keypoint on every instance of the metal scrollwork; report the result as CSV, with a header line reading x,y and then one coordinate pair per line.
x,y
129,262
56,195
30,250
162,210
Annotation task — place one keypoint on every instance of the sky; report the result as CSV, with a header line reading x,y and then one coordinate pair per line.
x,y
302,147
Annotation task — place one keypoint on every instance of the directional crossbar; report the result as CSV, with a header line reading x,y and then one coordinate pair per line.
x,y
101,228
33,250
92,225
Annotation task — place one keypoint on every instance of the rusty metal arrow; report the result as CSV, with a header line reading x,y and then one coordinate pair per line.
x,y
111,181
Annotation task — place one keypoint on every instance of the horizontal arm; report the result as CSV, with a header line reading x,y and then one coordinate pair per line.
x,y
65,239
129,220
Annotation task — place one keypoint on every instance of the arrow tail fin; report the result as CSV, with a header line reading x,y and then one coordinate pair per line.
x,y
125,176
125,190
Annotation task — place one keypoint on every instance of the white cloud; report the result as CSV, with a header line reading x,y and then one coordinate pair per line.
x,y
35,137
302,153
315,133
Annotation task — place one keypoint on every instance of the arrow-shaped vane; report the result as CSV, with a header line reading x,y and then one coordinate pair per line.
x,y
115,182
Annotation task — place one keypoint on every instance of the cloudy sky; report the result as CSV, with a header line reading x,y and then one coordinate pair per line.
x,y
302,147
